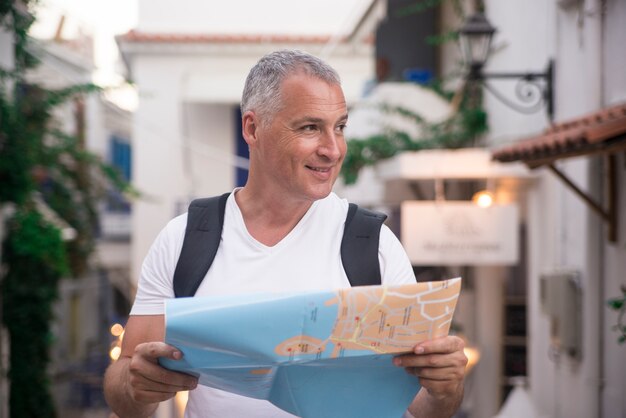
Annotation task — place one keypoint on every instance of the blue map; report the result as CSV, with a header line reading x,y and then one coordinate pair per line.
x,y
316,354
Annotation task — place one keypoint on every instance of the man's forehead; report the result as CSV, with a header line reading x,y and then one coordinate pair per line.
x,y
312,90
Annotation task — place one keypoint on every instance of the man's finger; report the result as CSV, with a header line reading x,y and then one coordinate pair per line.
x,y
453,359
141,383
443,345
154,350
151,396
141,368
440,374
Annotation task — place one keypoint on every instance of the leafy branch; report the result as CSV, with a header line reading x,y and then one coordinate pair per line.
x,y
460,130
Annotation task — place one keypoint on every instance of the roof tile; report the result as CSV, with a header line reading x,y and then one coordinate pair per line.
x,y
135,36
579,136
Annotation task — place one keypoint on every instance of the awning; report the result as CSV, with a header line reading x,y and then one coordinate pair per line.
x,y
599,133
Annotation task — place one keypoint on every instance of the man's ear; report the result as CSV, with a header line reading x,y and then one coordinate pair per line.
x,y
249,127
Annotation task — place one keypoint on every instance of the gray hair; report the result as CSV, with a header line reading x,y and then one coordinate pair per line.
x,y
261,92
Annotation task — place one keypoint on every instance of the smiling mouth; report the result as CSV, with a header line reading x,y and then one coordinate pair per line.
x,y
319,169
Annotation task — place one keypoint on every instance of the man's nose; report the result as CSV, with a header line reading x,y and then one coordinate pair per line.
x,y
330,145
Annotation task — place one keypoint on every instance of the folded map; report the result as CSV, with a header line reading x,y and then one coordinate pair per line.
x,y
314,354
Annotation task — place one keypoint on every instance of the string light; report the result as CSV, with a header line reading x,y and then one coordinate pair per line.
x,y
181,401
117,330
483,198
473,355
115,352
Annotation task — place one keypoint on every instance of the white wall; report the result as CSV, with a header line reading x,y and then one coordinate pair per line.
x,y
249,16
209,147
157,154
614,58
524,42
566,238
575,389
217,74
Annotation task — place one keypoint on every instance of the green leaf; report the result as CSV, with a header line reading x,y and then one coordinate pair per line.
x,y
615,304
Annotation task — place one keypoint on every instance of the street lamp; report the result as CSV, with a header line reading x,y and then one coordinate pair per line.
x,y
476,34
533,89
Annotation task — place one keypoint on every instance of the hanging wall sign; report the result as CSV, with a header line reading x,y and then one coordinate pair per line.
x,y
460,233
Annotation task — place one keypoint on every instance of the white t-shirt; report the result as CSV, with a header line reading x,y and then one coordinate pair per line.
x,y
308,258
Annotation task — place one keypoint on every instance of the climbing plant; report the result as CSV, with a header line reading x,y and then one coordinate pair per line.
x,y
460,130
40,167
36,259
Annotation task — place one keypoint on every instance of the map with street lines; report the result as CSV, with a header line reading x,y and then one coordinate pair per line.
x,y
295,349
383,320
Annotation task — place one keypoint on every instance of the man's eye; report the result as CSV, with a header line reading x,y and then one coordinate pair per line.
x,y
341,127
309,128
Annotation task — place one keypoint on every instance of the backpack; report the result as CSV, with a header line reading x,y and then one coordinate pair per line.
x,y
205,219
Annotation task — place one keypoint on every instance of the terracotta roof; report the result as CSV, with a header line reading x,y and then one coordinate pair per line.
x,y
603,131
136,36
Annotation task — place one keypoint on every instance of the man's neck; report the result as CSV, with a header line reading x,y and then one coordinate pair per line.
x,y
269,218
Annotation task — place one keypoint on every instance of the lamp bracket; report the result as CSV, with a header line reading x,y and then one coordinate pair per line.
x,y
533,89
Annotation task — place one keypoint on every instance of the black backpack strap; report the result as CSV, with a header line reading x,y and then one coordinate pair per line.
x,y
203,234
359,246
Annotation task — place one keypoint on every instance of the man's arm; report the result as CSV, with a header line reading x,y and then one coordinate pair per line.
x,y
440,366
136,383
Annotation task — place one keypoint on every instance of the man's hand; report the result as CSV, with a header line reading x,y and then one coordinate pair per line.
x,y
149,382
136,383
440,366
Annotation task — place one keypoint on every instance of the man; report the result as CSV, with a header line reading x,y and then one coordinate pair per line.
x,y
282,232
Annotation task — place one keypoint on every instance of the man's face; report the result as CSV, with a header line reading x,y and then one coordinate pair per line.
x,y
301,149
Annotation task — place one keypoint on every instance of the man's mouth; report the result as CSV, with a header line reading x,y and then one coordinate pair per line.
x,y
319,169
